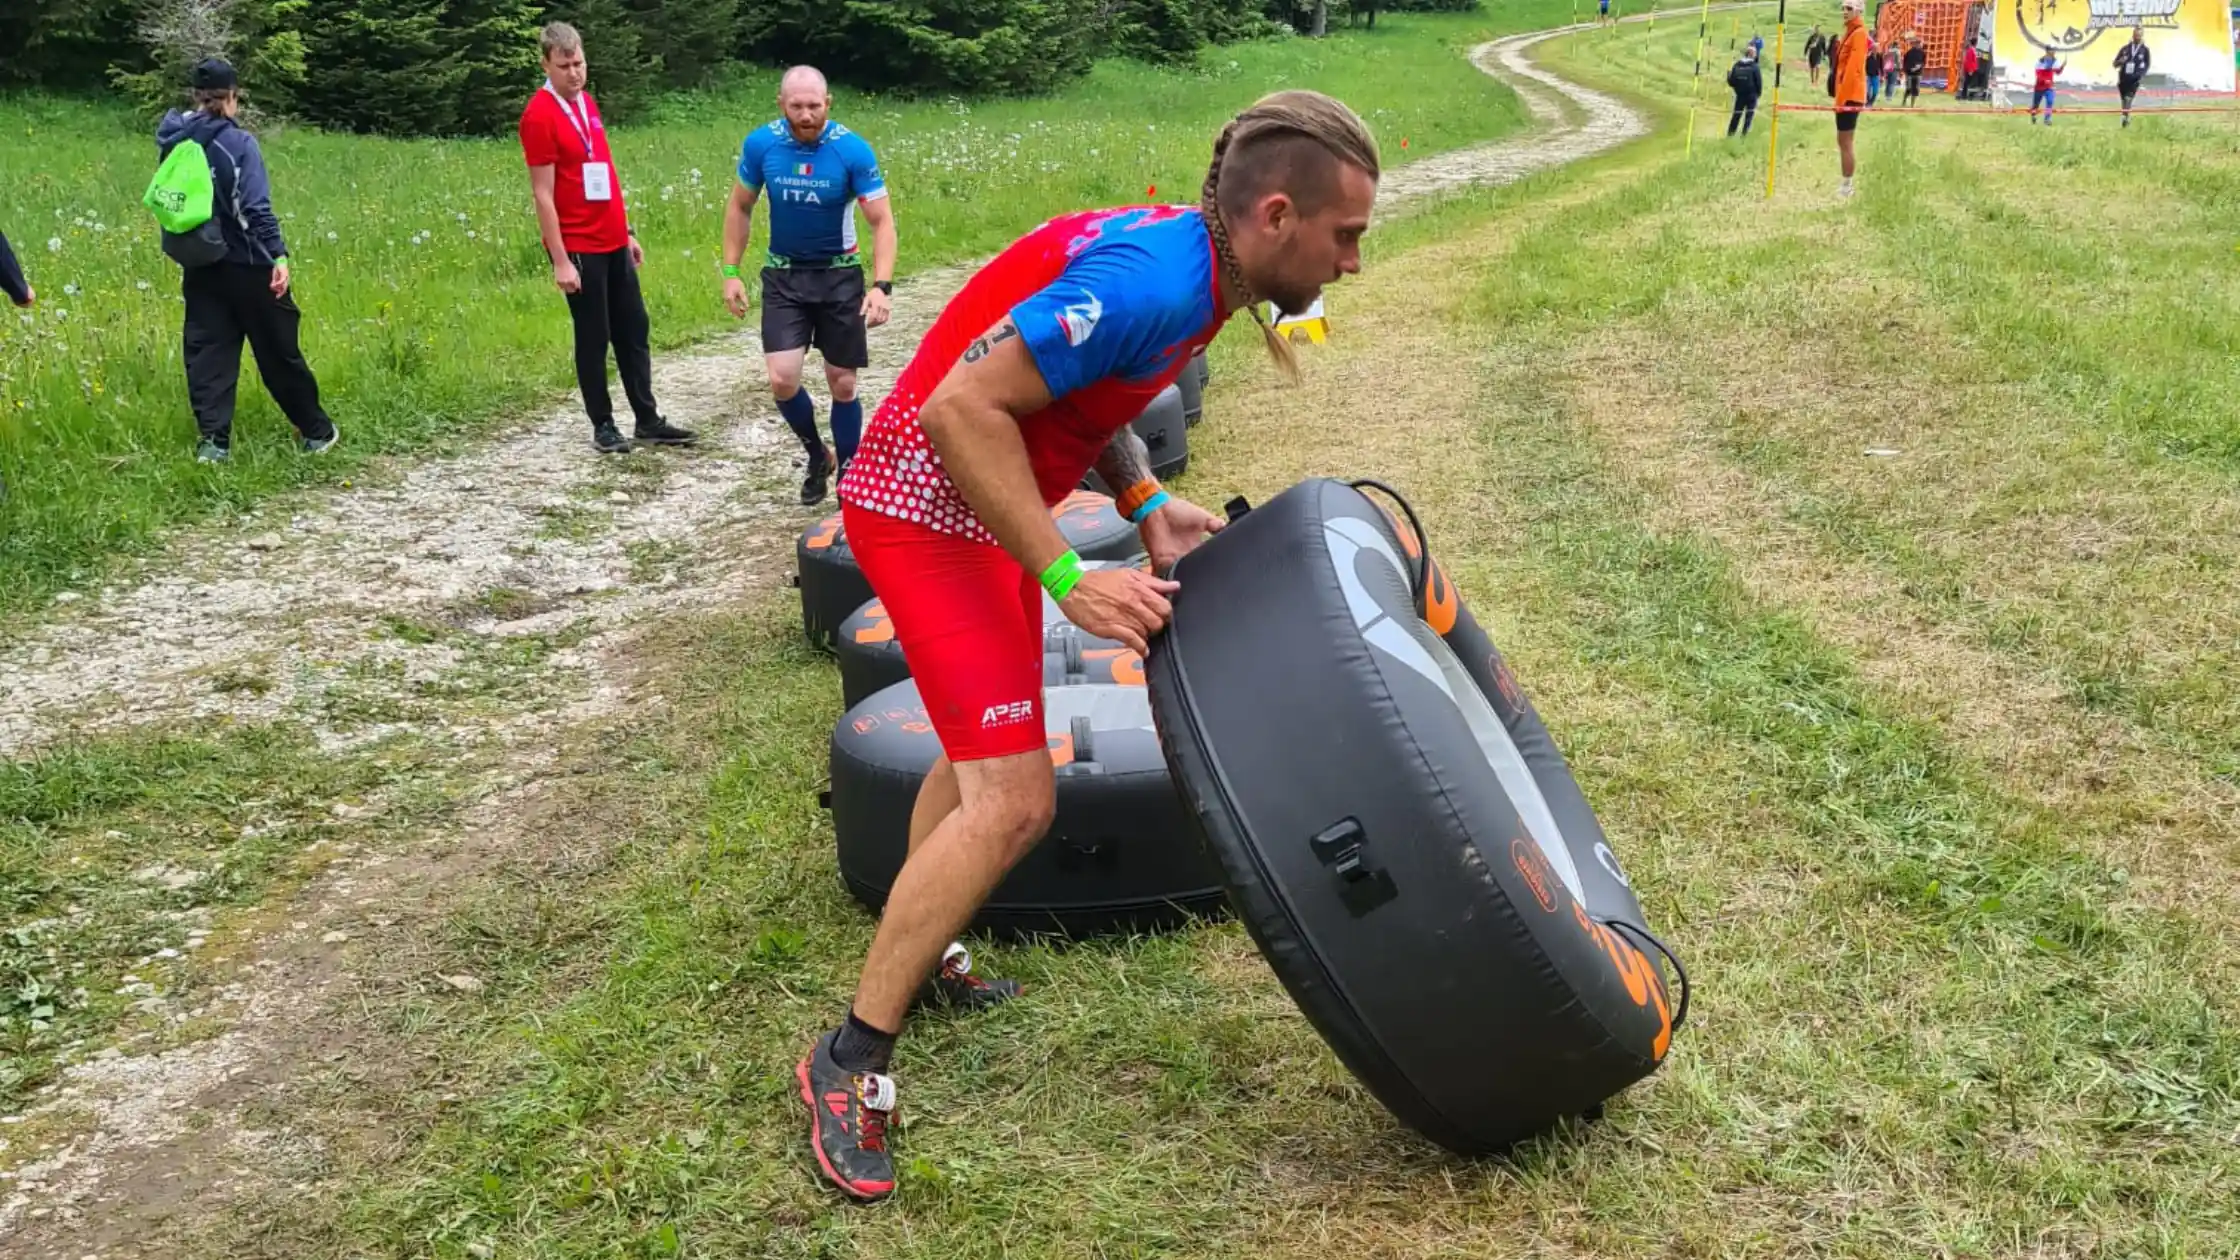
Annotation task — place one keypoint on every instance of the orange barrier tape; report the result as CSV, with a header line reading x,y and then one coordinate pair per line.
x,y
1903,110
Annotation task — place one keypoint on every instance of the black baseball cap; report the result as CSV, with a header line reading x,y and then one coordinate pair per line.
x,y
214,75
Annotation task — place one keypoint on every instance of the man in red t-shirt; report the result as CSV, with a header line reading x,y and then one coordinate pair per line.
x,y
586,230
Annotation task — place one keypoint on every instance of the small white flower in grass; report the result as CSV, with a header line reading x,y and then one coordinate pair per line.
x,y
54,244
143,286
334,236
462,218
470,234
70,290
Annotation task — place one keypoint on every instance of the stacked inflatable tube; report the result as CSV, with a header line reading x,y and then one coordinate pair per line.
x,y
1192,384
871,659
1165,430
1422,874
1119,856
832,586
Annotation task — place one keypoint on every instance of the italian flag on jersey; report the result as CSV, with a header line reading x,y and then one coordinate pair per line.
x,y
805,168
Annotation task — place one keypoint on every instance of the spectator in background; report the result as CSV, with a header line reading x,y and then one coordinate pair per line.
x,y
2132,62
1815,51
1849,75
2041,87
595,257
1969,60
12,281
1917,60
1873,70
1890,72
1747,83
246,296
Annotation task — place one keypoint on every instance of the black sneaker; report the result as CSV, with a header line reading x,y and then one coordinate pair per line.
x,y
812,485
314,446
663,433
607,439
209,452
955,988
848,1115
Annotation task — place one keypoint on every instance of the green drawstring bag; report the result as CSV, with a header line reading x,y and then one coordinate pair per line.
x,y
182,197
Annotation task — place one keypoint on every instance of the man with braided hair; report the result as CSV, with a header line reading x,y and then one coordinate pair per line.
x,y
1028,379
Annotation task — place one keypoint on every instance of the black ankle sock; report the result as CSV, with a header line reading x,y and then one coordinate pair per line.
x,y
862,1048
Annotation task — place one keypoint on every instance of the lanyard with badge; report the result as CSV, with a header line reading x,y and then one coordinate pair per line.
x,y
598,177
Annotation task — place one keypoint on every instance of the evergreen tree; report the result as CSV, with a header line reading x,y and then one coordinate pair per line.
x,y
690,39
259,37
497,43
65,43
623,77
385,66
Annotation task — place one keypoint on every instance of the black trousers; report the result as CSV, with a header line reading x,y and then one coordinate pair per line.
x,y
608,309
1744,112
228,303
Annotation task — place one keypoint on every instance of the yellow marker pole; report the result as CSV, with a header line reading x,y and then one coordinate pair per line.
x,y
1773,133
1703,24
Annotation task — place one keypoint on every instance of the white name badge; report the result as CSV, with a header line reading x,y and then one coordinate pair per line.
x,y
598,182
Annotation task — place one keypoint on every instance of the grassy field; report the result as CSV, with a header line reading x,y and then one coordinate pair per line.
x,y
429,307
1925,761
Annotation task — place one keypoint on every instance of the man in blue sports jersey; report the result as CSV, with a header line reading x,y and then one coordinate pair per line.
x,y
813,293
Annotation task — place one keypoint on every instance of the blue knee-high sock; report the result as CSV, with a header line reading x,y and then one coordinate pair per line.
x,y
800,412
847,426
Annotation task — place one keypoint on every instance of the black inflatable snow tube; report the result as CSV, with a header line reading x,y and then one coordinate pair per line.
x,y
1119,856
1192,383
1166,439
1164,427
832,587
871,659
1422,873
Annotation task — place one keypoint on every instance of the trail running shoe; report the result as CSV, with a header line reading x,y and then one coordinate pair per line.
x,y
663,433
955,987
210,452
848,1115
812,485
608,440
313,446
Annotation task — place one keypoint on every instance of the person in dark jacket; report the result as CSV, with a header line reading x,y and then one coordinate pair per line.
x,y
2132,62
12,281
1917,60
246,296
1747,82
1815,52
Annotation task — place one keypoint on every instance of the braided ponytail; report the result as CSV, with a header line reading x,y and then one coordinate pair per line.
x,y
1281,115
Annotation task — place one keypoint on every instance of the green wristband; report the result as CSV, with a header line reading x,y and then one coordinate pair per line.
x,y
731,271
1064,572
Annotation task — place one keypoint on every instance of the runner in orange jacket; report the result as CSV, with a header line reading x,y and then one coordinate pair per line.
x,y
1851,84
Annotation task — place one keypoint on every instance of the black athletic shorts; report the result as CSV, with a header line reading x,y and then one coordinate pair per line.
x,y
820,307
2128,88
1847,119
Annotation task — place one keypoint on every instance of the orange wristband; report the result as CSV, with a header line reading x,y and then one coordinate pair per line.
x,y
1136,496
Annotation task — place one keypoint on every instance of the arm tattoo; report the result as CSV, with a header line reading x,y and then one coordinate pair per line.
x,y
1125,461
985,346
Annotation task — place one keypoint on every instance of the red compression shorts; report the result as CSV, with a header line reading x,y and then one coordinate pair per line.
x,y
969,620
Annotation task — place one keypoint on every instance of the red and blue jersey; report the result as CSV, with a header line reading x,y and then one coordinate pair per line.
x,y
1111,304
